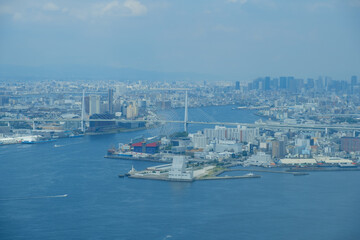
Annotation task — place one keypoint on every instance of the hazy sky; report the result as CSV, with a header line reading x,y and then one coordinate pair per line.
x,y
236,39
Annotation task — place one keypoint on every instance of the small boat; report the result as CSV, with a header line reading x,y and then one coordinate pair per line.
x,y
249,174
121,175
76,135
347,165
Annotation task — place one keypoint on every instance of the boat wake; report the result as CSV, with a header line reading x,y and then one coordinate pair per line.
x,y
37,197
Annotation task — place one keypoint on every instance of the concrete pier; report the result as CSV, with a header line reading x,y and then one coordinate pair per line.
x,y
160,178
229,177
138,159
268,171
320,169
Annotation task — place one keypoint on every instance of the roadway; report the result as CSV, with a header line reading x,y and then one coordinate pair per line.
x,y
318,127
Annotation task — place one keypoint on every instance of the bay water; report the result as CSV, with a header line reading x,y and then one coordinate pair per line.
x,y
99,205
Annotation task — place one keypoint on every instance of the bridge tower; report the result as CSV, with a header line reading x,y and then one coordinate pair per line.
x,y
83,112
186,112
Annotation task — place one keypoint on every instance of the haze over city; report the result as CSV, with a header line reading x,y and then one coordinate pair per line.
x,y
227,40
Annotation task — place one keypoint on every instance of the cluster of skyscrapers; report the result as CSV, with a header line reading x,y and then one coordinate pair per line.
x,y
293,84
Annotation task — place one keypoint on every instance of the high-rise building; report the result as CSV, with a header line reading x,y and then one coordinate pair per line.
x,y
278,149
353,80
94,105
300,84
199,140
354,84
237,85
87,105
4,100
132,111
283,83
256,83
350,144
111,101
291,84
274,83
310,84
266,85
319,85
327,82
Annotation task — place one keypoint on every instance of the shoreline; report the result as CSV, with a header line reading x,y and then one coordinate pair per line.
x,y
116,131
137,159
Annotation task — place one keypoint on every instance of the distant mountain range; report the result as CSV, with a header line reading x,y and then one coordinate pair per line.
x,y
11,72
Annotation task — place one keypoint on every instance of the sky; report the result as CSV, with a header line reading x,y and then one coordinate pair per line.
x,y
231,39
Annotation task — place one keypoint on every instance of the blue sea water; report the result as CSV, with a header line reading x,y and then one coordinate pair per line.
x,y
322,205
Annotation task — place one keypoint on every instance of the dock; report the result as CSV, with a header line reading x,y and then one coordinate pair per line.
x,y
165,178
321,169
229,177
160,178
268,171
137,159
213,176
